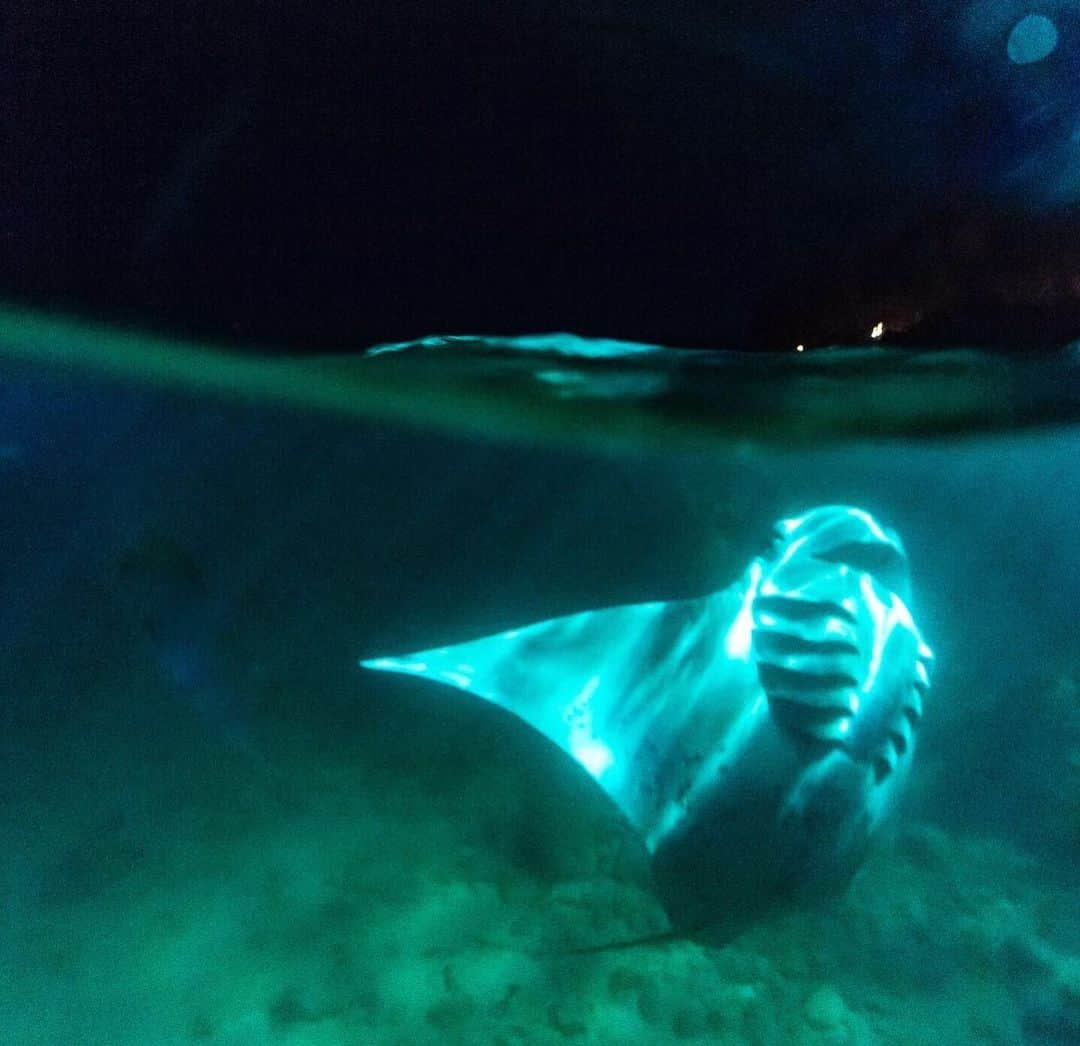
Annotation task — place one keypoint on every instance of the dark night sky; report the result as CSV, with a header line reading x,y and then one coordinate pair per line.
x,y
333,175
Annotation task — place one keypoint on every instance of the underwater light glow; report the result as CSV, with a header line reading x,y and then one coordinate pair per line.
x,y
594,755
1031,40
459,679
737,640
586,748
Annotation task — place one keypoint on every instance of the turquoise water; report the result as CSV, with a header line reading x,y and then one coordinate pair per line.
x,y
219,829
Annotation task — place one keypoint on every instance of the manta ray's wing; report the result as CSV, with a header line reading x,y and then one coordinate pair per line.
x,y
626,691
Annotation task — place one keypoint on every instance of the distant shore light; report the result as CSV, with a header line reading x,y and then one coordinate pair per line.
x,y
1031,40
878,330
800,347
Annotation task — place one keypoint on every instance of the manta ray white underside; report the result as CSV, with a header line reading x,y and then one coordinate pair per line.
x,y
756,737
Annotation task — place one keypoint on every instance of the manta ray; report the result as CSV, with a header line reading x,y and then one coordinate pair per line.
x,y
756,738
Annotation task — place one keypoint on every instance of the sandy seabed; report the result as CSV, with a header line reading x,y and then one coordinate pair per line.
x,y
165,886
